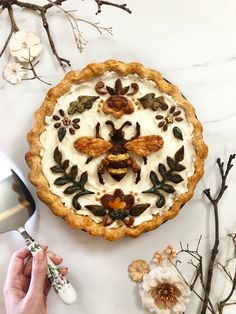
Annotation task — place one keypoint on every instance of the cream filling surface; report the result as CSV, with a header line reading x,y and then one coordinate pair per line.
x,y
88,121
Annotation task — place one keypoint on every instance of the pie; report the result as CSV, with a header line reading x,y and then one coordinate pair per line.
x,y
115,149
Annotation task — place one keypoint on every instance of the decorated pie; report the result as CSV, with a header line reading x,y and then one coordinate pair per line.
x,y
115,150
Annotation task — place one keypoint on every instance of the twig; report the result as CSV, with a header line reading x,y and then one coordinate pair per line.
x,y
191,286
42,10
215,201
120,6
73,21
198,268
35,75
14,28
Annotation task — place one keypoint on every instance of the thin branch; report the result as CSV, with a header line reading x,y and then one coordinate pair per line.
x,y
61,61
215,201
120,6
191,286
73,21
42,10
224,302
32,69
14,28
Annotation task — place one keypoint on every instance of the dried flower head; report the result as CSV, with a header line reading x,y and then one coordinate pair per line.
x,y
25,46
163,292
14,72
137,269
170,252
158,258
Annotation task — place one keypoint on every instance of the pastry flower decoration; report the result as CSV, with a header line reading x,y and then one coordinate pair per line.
x,y
161,290
25,46
117,104
172,115
14,72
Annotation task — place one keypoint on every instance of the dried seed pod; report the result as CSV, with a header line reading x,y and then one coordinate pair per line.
x,y
56,118
57,125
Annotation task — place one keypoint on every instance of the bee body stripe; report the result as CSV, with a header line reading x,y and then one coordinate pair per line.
x,y
117,171
118,157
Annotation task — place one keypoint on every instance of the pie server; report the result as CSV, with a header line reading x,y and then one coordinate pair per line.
x,y
16,207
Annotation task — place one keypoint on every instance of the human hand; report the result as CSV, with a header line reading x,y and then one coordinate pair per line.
x,y
26,287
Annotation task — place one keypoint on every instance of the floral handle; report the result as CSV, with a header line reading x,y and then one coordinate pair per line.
x,y
59,282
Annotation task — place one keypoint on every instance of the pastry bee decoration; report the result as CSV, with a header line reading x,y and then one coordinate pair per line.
x,y
118,160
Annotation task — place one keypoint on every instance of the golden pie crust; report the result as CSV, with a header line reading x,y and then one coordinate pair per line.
x,y
34,160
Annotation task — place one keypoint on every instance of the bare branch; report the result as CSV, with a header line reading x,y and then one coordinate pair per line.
x,y
214,252
14,28
120,6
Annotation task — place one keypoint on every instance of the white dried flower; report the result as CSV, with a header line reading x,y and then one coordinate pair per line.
x,y
163,292
25,46
14,73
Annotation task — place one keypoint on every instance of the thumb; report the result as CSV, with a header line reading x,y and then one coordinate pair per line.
x,y
38,274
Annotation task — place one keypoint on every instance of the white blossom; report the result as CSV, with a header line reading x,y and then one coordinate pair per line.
x,y
14,72
25,46
163,292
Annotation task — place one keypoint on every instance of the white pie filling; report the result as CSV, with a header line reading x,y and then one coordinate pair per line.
x,y
88,120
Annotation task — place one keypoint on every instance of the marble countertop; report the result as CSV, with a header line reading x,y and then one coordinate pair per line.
x,y
193,45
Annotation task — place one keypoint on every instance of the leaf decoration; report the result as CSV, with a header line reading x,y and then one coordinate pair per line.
x,y
118,87
61,133
75,202
83,103
125,90
154,178
97,210
168,188
168,175
56,169
70,177
118,215
83,179
150,101
73,107
73,172
162,170
57,156
161,201
178,133
138,209
179,155
110,90
62,180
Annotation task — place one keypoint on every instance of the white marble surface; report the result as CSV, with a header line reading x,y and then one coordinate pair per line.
x,y
193,44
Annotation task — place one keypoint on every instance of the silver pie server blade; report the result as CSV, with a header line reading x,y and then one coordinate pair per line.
x,y
16,207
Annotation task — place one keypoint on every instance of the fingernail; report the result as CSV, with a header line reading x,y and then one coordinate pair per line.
x,y
58,257
39,255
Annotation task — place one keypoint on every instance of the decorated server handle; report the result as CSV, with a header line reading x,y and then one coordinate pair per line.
x,y
59,282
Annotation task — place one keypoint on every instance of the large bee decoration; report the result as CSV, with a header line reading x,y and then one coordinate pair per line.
x,y
118,160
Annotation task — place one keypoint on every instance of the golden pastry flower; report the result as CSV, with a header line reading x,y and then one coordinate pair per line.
x,y
170,252
137,269
158,258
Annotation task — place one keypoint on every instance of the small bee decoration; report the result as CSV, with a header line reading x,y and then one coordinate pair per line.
x,y
118,159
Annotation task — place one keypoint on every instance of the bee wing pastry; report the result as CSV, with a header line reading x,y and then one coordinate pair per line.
x,y
144,145
92,146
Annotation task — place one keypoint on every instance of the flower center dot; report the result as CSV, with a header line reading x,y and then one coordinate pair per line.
x,y
24,44
169,119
